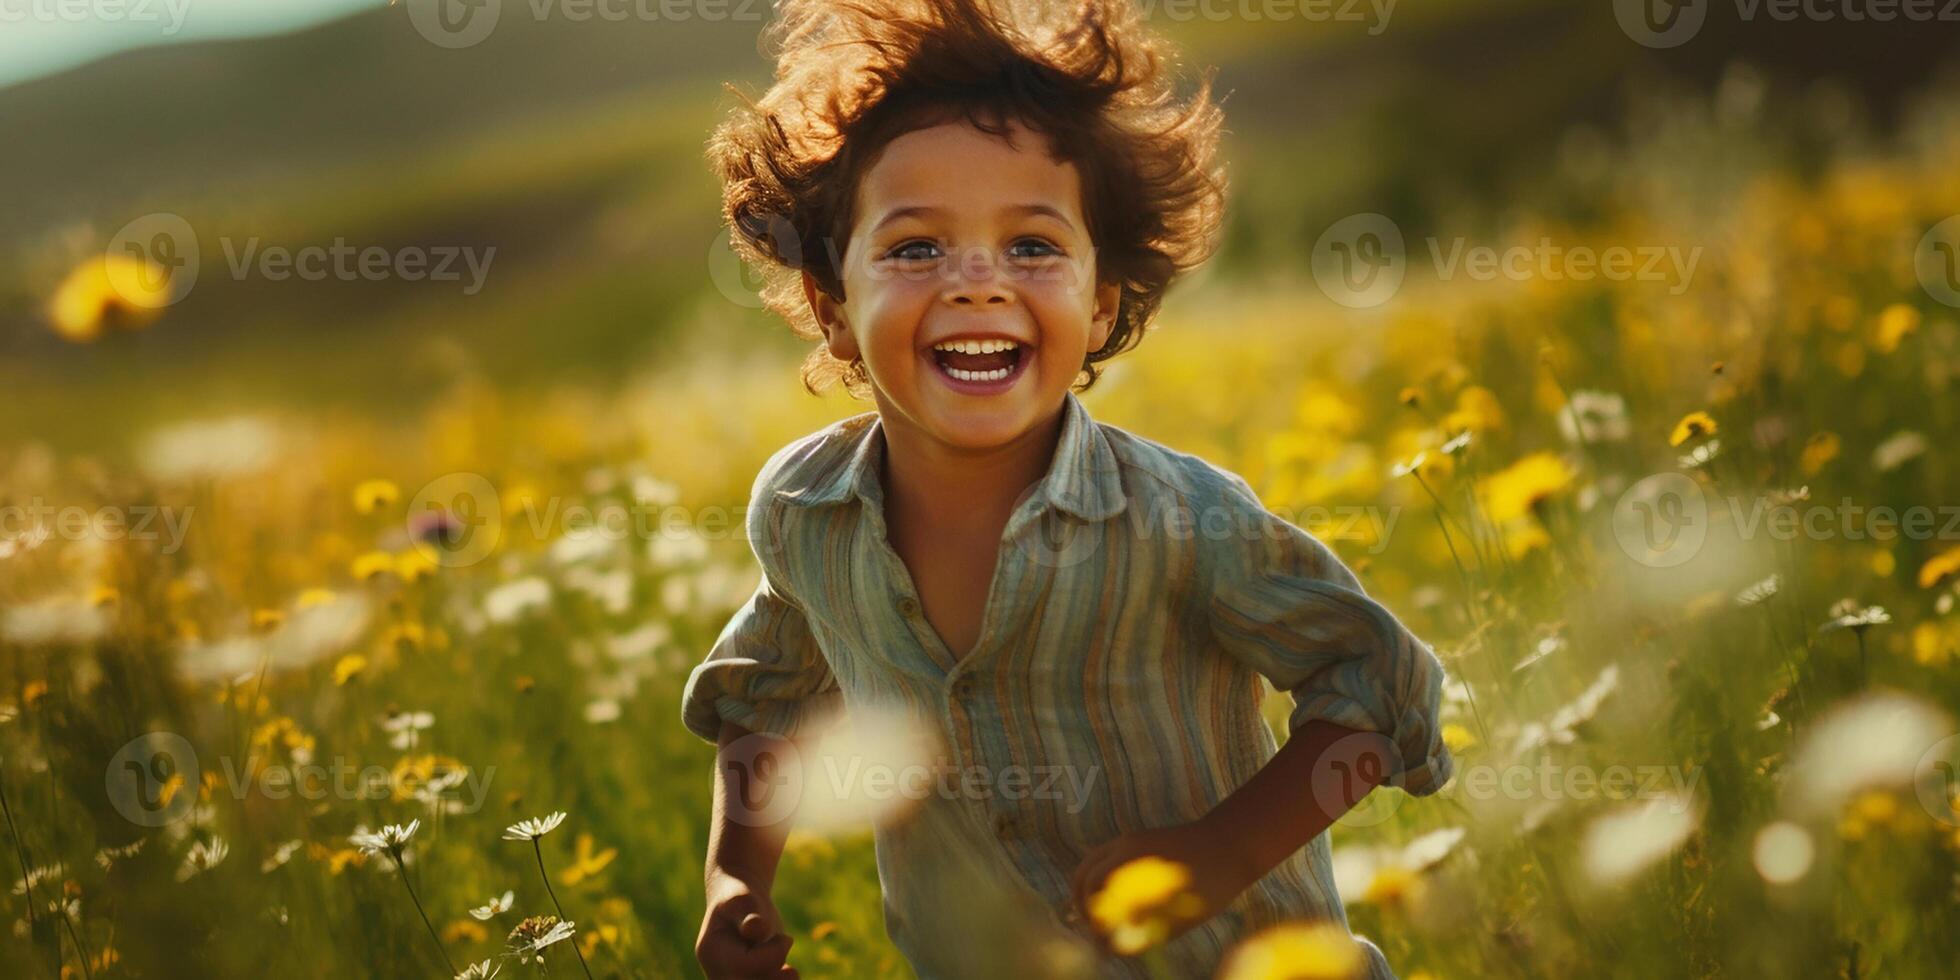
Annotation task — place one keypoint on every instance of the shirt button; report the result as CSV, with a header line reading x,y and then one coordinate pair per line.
x,y
909,606
1004,824
962,688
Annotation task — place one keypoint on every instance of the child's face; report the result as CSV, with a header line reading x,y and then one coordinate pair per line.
x,y
959,236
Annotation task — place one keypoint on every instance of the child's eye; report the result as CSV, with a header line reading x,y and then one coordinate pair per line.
x,y
1033,248
917,250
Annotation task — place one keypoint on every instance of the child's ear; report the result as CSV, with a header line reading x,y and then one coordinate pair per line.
x,y
829,314
1109,300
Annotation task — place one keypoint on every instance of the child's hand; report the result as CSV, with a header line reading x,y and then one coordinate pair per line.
x,y
1218,873
741,937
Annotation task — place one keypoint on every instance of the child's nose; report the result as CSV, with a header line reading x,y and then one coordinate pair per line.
x,y
975,280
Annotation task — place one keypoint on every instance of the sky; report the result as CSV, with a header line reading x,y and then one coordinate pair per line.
x,y
40,37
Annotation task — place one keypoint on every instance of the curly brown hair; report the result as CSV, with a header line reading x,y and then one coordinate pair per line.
x,y
853,75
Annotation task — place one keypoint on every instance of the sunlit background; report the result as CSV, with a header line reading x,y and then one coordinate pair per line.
x,y
1614,345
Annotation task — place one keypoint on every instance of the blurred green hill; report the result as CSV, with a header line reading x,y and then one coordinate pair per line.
x,y
574,149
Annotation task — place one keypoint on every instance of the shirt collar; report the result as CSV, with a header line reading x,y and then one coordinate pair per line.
x,y
1084,478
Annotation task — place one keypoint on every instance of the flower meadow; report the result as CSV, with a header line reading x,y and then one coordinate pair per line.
x,y
332,692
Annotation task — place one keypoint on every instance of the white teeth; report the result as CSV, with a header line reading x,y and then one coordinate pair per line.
x,y
994,375
976,346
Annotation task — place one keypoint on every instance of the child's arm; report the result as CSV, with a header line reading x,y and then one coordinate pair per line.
x,y
764,679
1321,772
741,933
1366,695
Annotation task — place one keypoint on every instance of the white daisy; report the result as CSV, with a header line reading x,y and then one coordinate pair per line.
x,y
202,857
390,839
534,828
528,941
497,905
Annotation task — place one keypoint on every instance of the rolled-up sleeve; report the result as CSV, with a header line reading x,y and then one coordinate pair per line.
x,y
1285,605
765,671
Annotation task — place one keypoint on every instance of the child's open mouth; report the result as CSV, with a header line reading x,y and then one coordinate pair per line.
x,y
980,366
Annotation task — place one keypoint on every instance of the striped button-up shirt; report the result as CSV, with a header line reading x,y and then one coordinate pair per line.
x,y
1138,595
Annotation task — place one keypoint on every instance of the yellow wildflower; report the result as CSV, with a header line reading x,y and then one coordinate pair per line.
x,y
111,290
374,564
1392,884
1296,951
372,495
1934,642
464,931
585,863
1477,410
282,732
348,667
313,597
1518,489
1457,737
1321,409
1819,449
604,932
1877,807
336,860
414,565
267,620
1523,536
1939,567
104,595
1897,321
1693,425
170,788
406,637
412,772
1139,901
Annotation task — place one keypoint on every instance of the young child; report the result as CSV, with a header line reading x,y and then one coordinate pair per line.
x,y
971,208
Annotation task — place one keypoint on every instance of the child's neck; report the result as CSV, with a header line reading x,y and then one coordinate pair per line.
x,y
944,486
